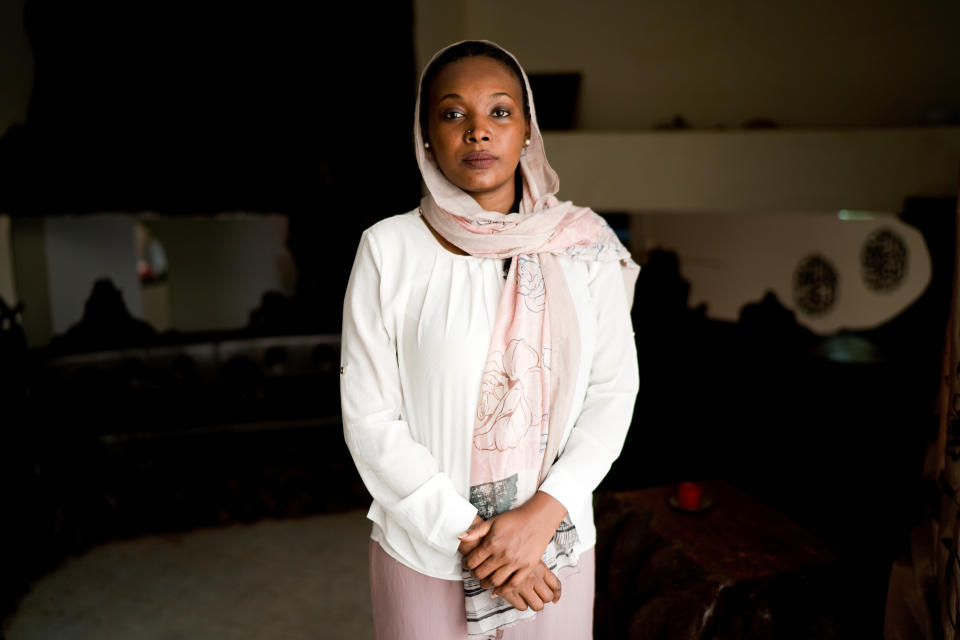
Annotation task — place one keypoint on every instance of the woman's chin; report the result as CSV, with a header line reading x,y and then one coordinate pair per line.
x,y
480,188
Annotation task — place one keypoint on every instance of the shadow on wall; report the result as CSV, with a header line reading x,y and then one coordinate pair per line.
x,y
106,324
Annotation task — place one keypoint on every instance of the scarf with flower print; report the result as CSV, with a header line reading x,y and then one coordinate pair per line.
x,y
534,353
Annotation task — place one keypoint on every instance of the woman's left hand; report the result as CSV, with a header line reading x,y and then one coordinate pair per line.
x,y
513,542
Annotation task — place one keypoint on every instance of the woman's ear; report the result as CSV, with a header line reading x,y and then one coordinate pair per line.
x,y
526,130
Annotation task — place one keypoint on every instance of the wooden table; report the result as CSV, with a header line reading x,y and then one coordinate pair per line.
x,y
735,570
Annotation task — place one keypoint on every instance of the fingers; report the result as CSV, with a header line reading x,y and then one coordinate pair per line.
x,y
532,588
501,575
476,531
523,598
543,591
478,557
467,547
485,568
495,570
514,598
553,582
530,595
545,583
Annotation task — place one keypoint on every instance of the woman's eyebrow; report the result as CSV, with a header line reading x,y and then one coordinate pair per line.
x,y
457,96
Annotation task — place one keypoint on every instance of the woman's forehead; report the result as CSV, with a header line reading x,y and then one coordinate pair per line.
x,y
477,72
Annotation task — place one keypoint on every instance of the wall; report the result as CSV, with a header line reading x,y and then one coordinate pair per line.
x,y
747,171
30,276
82,249
8,288
735,205
220,266
16,65
435,24
797,62
733,259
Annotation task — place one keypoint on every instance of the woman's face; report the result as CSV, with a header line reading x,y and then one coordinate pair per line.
x,y
476,128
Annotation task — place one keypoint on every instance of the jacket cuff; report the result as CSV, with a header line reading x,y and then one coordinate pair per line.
x,y
452,516
567,491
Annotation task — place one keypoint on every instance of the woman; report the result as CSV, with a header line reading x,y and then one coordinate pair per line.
x,y
482,512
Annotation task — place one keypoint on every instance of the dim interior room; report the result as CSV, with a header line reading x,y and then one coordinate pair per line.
x,y
182,199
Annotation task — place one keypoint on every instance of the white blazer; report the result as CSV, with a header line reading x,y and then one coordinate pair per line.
x,y
417,321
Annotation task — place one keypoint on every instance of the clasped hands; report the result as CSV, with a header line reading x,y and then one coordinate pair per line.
x,y
505,552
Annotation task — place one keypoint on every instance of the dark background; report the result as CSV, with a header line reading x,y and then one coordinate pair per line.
x,y
300,109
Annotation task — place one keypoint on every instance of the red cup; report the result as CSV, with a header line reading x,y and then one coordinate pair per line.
x,y
689,496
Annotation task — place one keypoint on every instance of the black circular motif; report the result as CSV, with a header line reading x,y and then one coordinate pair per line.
x,y
815,285
883,260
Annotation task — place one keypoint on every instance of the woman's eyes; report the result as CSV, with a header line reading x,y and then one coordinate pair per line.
x,y
456,115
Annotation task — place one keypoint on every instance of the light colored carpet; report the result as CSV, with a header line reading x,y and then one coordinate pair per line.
x,y
277,580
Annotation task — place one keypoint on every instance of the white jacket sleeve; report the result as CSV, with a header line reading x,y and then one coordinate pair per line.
x,y
600,429
399,472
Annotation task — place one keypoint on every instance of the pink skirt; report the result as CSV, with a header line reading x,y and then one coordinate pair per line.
x,y
408,605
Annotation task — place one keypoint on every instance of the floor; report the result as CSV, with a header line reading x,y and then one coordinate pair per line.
x,y
286,579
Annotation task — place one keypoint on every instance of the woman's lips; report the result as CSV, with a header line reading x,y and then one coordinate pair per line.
x,y
479,159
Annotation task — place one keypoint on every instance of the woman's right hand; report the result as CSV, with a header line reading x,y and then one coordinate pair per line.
x,y
466,546
539,587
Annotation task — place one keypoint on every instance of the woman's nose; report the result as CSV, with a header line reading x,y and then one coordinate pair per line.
x,y
476,133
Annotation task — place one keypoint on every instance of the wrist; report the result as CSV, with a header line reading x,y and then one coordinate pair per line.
x,y
547,509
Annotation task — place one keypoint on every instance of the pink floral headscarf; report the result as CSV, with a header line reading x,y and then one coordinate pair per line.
x,y
531,368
